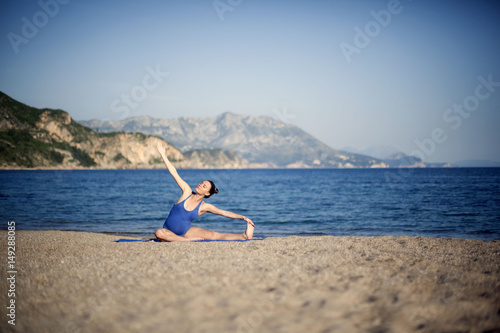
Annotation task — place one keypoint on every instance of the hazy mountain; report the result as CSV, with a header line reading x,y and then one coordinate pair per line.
x,y
263,141
381,152
477,164
399,160
391,156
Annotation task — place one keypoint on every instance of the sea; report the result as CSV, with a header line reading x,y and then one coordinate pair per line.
x,y
433,202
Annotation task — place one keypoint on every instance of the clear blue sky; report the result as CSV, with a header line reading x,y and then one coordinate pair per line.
x,y
280,58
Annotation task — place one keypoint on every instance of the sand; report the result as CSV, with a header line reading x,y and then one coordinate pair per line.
x,y
84,282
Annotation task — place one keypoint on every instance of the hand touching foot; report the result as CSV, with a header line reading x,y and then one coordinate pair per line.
x,y
248,234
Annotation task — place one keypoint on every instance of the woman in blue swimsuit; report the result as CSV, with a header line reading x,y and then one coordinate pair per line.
x,y
177,226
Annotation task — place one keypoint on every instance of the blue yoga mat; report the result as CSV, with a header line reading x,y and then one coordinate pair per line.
x,y
124,240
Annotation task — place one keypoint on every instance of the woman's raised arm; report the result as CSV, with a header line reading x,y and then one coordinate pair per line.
x,y
173,171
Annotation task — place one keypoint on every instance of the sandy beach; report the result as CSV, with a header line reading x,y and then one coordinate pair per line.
x,y
85,282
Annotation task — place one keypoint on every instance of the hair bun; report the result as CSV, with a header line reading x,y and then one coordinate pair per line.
x,y
213,189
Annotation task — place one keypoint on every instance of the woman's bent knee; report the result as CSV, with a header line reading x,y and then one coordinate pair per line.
x,y
162,234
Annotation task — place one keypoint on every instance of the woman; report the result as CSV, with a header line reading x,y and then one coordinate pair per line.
x,y
190,205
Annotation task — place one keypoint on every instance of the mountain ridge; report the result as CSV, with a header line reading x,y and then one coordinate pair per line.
x,y
261,140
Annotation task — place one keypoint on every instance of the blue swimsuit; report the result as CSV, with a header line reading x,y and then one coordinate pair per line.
x,y
179,220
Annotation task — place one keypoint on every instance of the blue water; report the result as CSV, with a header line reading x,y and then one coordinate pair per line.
x,y
458,203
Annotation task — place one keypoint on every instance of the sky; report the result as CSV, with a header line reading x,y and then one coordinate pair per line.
x,y
420,76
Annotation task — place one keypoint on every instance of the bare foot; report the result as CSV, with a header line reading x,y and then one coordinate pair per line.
x,y
248,234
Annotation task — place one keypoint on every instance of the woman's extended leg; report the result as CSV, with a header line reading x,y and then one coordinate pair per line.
x,y
168,236
212,235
